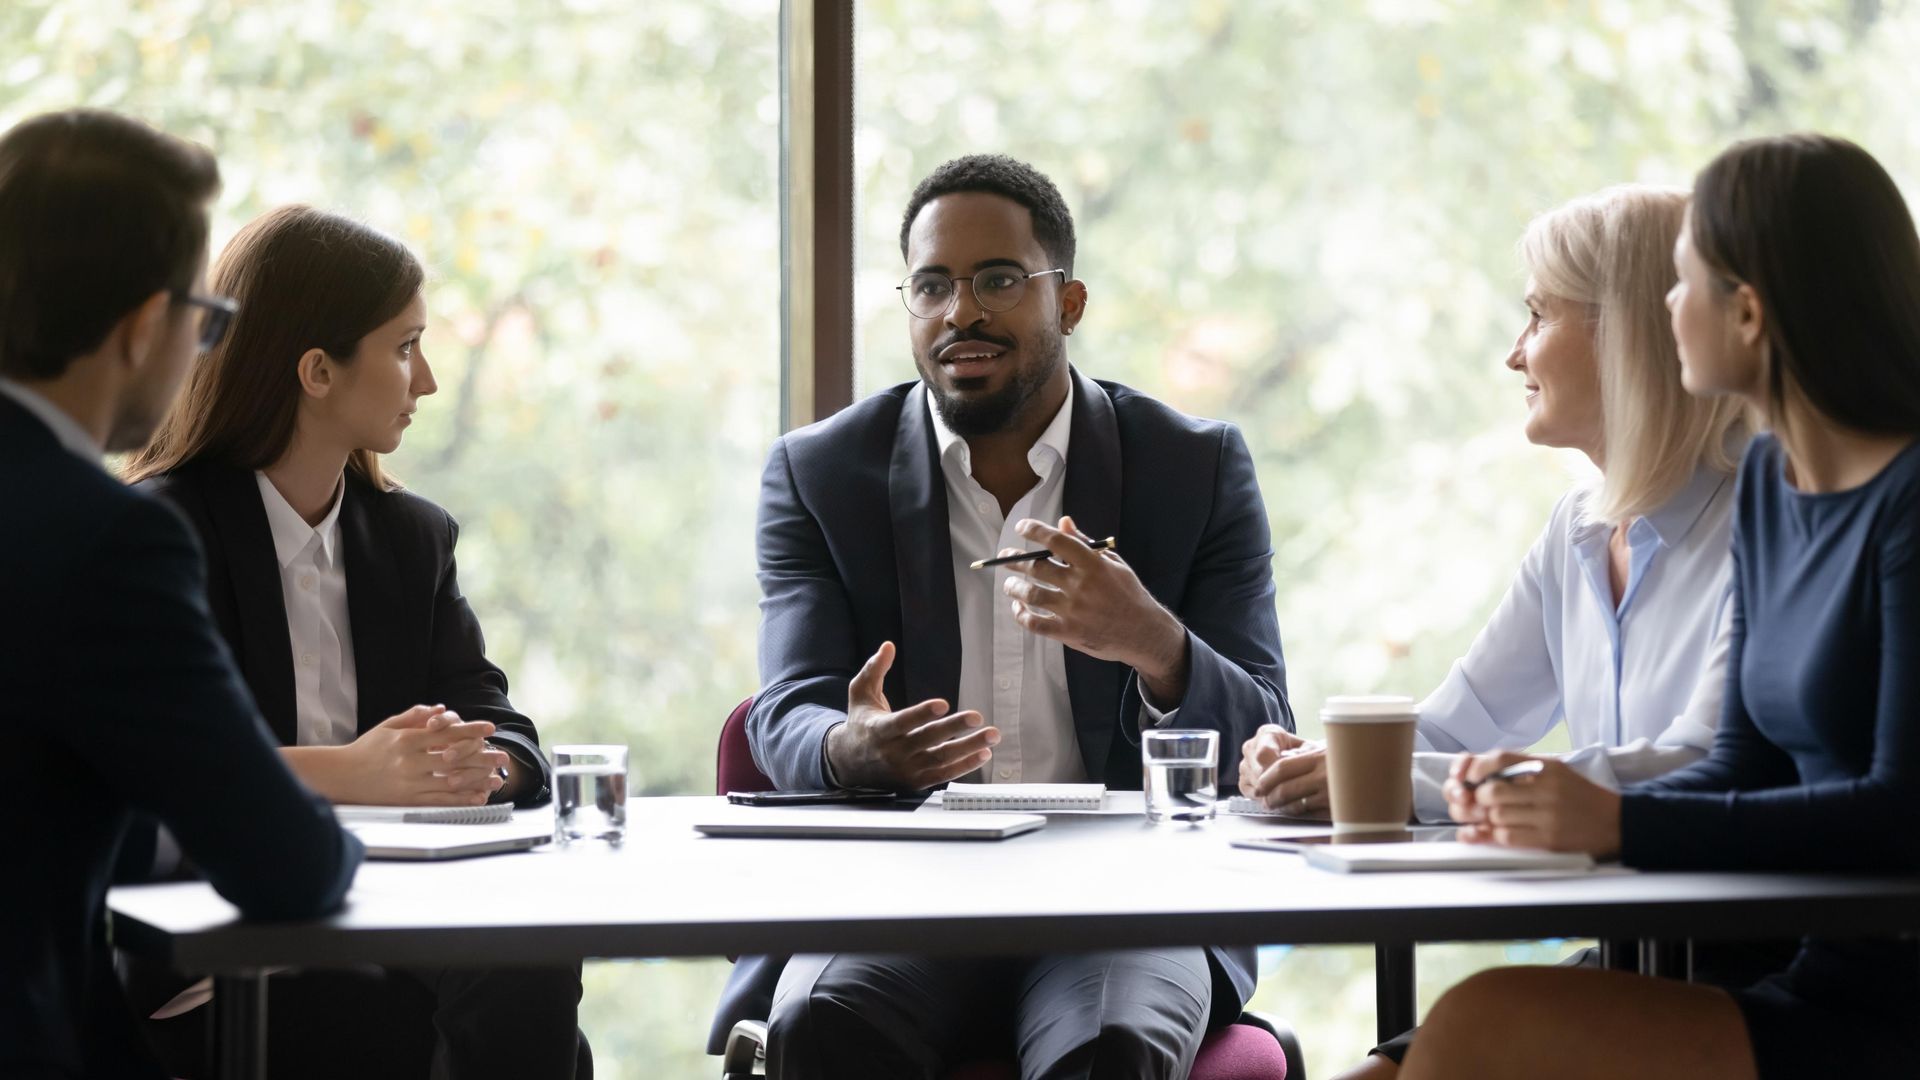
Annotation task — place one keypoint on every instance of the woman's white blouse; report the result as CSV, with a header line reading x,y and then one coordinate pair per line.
x,y
1639,687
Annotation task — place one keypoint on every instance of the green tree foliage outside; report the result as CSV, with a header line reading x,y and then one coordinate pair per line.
x,y
1298,216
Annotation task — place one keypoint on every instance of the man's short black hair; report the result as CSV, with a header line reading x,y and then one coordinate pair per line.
x,y
998,174
97,213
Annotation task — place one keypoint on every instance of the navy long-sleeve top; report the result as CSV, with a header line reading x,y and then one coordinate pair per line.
x,y
1816,764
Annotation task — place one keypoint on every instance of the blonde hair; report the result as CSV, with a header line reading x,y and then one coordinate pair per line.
x,y
1613,251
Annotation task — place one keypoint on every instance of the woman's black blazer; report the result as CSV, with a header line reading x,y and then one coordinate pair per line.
x,y
415,640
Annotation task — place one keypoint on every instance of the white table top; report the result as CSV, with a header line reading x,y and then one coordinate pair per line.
x,y
1083,882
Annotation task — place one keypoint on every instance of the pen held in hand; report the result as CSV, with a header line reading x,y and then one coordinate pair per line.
x,y
1030,556
1511,772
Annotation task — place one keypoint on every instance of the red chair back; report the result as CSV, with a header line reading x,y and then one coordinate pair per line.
x,y
734,769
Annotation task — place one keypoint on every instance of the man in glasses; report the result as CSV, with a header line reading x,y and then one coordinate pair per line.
x,y
887,661
116,695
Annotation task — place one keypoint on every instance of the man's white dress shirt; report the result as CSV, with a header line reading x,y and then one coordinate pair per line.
x,y
1639,685
1017,680
313,584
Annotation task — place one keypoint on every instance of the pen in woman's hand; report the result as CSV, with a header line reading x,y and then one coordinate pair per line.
x,y
1512,772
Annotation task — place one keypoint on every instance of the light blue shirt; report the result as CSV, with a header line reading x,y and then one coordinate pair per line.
x,y
1638,686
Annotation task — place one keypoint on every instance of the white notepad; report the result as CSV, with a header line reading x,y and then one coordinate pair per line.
x,y
1023,796
491,814
393,840
1447,855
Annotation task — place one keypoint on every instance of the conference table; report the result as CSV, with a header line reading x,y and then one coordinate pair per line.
x,y
1084,882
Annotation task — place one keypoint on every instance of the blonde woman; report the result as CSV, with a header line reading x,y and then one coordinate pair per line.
x,y
1616,624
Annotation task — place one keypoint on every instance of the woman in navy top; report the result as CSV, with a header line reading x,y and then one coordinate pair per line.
x,y
1799,291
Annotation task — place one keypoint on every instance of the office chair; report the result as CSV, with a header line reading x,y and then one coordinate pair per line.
x,y
1254,1047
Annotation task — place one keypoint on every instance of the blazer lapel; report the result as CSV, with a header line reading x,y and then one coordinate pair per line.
x,y
1092,499
928,662
373,606
239,518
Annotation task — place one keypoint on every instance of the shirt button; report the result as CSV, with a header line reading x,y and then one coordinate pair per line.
x,y
306,582
984,507
1006,774
1005,683
306,659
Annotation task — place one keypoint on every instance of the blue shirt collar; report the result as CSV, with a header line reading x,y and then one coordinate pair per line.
x,y
1677,516
1670,523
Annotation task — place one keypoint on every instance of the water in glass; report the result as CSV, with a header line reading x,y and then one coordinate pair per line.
x,y
1182,774
589,794
1181,791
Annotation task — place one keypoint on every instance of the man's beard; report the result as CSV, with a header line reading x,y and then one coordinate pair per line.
x,y
971,416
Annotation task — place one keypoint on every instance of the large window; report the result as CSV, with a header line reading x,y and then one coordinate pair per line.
x,y
1297,216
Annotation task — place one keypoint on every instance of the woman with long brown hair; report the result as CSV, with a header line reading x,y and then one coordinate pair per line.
x,y
1799,293
336,590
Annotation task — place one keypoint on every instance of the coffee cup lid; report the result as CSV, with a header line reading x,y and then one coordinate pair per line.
x,y
1367,707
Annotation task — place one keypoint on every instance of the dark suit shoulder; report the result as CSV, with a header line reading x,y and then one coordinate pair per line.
x,y
865,423
1145,416
185,488
83,522
399,508
78,510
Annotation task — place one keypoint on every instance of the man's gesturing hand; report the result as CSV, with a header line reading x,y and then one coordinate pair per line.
x,y
909,750
1092,602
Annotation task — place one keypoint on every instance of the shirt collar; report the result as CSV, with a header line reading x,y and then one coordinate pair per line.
x,y
1047,451
65,428
291,533
1676,517
1668,524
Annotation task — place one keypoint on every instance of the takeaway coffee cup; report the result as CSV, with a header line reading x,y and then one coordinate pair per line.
x,y
1369,761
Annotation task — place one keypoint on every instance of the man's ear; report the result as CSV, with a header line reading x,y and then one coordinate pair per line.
x,y
1749,316
1073,304
315,370
142,330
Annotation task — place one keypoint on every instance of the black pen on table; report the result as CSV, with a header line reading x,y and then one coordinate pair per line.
x,y
1031,556
1512,772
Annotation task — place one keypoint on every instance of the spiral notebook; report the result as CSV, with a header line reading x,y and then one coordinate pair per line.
x,y
492,814
1024,796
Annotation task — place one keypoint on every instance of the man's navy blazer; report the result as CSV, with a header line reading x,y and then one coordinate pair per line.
x,y
854,550
117,696
415,638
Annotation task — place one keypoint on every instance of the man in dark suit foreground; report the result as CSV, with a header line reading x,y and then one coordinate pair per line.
x,y
886,661
116,694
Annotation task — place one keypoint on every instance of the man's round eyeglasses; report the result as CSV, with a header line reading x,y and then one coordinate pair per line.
x,y
219,315
930,295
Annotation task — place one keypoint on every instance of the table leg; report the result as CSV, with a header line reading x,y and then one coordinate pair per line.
x,y
240,1026
1393,989
1667,959
1619,955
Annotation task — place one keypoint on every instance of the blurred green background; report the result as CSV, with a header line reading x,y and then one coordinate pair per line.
x,y
1296,215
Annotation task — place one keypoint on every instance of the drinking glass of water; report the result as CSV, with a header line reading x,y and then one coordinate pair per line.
x,y
589,793
1182,767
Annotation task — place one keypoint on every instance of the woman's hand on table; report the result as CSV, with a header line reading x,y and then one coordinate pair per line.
x,y
426,756
1555,809
1284,772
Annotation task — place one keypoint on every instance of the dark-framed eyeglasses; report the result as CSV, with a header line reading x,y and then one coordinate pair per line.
x,y
218,315
930,295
